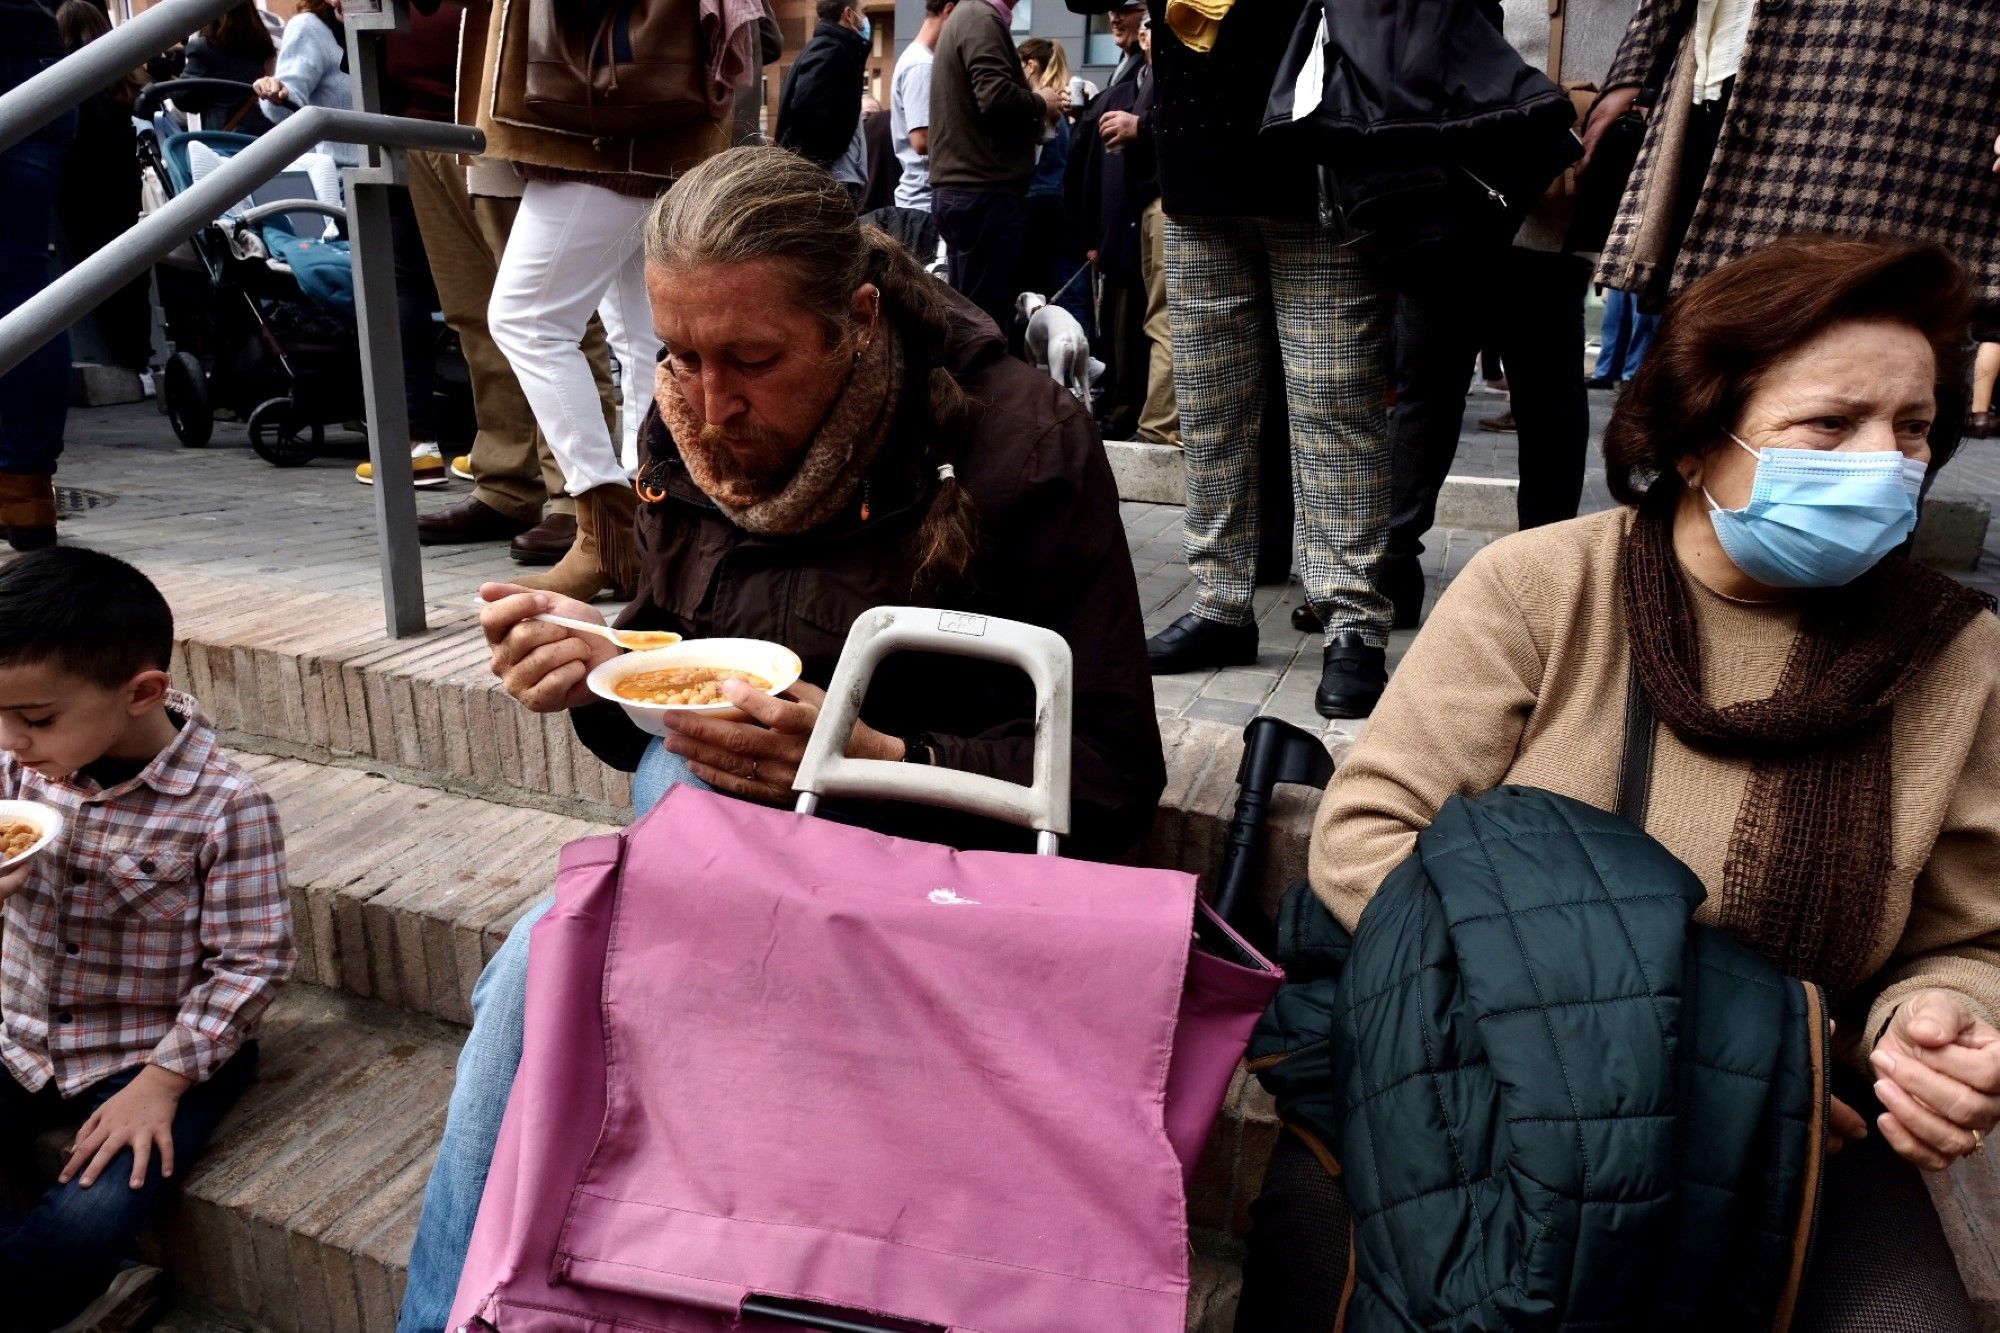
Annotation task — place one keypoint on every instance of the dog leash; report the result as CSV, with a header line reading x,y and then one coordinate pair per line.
x,y
1063,290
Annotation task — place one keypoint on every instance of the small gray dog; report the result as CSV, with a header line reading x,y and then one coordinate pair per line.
x,y
1056,343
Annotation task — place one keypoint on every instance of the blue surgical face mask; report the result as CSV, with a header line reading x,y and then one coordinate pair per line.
x,y
867,30
1817,518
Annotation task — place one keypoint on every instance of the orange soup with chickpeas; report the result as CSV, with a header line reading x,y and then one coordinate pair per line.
x,y
17,836
683,686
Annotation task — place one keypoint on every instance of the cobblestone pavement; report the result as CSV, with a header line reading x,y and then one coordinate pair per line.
x,y
223,511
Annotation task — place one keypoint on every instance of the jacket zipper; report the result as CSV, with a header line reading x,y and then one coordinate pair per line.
x,y
1822,1059
1491,193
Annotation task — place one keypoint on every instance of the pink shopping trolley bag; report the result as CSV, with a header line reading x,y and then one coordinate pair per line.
x,y
780,1072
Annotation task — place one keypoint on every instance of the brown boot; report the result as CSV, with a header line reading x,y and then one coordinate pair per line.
x,y
27,510
605,556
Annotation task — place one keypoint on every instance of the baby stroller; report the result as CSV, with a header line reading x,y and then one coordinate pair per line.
x,y
259,305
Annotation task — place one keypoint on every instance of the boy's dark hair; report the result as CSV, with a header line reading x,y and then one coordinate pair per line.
x,y
84,612
830,10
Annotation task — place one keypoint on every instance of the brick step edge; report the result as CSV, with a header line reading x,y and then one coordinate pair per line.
x,y
402,893
309,676
299,1218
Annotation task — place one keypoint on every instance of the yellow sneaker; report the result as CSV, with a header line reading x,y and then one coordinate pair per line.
x,y
426,466
461,467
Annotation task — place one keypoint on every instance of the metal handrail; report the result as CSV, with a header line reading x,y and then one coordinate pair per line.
x,y
79,291
89,70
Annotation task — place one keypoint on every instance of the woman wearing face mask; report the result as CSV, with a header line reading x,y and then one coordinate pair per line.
x,y
1826,742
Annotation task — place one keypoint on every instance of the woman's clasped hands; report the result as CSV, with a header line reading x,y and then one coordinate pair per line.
x,y
1937,1071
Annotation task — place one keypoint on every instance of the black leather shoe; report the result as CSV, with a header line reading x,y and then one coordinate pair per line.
x,y
1352,678
1402,581
1194,644
1306,620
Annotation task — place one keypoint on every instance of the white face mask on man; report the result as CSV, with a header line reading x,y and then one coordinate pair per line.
x,y
1819,518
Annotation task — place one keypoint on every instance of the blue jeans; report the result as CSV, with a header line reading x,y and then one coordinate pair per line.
x,y
485,1078
34,395
59,1257
1623,337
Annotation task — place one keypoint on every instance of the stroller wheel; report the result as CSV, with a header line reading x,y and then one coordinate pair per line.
x,y
184,393
280,438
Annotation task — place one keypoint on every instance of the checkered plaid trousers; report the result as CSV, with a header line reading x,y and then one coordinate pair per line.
x,y
1231,284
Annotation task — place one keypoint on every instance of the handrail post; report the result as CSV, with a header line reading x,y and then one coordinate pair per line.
x,y
382,387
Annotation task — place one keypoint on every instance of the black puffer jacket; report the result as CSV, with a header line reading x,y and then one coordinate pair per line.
x,y
819,106
1556,1102
1431,130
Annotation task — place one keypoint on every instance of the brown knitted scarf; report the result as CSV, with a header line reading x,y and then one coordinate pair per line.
x,y
827,473
1808,866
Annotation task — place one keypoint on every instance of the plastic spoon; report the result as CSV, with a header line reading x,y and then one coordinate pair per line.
x,y
632,640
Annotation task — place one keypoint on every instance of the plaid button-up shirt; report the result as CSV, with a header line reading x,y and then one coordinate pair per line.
x,y
155,930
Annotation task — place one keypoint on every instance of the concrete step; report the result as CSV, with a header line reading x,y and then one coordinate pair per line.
x,y
1951,530
400,893
300,1217
309,676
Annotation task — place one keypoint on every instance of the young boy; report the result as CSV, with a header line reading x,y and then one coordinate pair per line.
x,y
139,949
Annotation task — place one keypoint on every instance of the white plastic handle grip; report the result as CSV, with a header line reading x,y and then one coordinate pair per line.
x,y
1041,653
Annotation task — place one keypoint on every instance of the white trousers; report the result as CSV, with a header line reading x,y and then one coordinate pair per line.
x,y
576,248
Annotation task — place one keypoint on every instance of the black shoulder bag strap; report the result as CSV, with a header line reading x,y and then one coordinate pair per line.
x,y
1635,766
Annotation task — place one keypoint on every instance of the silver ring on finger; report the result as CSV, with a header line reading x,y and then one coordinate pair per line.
x,y
753,778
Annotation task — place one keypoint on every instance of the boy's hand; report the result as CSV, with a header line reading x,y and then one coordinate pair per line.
x,y
139,1116
13,881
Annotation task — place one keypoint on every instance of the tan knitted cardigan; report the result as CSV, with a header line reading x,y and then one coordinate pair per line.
x,y
1520,677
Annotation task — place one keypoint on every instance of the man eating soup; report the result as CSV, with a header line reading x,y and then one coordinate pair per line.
x,y
833,431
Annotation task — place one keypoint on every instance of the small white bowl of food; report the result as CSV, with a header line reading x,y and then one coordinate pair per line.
x,y
26,827
687,678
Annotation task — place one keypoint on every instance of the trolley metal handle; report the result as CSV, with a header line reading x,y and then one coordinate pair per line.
x,y
826,769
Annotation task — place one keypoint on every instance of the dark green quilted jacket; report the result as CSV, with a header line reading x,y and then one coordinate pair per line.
x,y
1557,1102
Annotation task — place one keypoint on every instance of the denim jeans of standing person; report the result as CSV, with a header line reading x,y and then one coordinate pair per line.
x,y
479,1098
59,1257
34,395
1623,337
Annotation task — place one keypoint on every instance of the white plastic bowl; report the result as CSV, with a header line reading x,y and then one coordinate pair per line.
x,y
41,816
770,661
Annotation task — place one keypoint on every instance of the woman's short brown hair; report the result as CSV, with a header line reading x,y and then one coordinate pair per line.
x,y
1721,335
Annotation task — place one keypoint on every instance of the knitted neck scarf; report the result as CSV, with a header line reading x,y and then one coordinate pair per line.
x,y
1808,867
826,475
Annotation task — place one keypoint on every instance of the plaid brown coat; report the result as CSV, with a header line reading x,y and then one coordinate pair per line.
x,y
1852,116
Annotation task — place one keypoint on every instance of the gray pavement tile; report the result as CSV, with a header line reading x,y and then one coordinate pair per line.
x,y
224,512
1239,686
1225,711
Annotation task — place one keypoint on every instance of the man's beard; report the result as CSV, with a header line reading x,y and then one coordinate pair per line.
x,y
749,460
